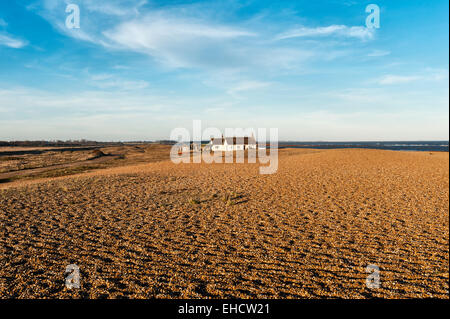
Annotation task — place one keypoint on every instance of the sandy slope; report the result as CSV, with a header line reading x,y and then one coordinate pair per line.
x,y
222,230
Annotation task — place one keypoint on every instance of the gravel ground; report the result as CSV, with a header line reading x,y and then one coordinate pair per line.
x,y
162,230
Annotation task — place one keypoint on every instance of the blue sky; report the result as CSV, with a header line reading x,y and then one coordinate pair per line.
x,y
137,69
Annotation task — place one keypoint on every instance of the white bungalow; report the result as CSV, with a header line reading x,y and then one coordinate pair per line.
x,y
232,143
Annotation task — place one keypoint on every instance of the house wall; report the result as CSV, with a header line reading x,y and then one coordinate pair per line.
x,y
237,147
226,147
218,148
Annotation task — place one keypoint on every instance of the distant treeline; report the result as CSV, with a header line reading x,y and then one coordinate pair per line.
x,y
166,142
57,143
78,143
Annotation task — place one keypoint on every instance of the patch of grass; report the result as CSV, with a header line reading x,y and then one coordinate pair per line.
x,y
54,173
66,171
228,199
64,188
193,201
230,203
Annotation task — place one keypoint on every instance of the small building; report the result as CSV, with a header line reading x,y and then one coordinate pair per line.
x,y
232,143
187,147
196,146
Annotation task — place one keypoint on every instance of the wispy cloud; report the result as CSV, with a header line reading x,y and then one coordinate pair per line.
x,y
110,81
185,37
119,115
41,103
358,32
247,86
231,63
398,79
92,12
114,7
429,75
177,42
379,53
11,42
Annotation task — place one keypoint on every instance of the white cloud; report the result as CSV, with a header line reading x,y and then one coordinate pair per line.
x,y
118,84
358,32
184,36
20,102
363,126
109,81
428,75
114,7
397,79
378,53
384,99
177,42
34,114
247,86
93,16
189,37
9,41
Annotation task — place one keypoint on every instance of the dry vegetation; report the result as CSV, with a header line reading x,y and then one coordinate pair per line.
x,y
222,230
39,162
21,162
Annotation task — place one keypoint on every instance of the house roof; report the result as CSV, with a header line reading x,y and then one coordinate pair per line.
x,y
217,141
234,140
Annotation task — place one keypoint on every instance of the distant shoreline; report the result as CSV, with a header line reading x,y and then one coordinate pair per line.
x,y
11,148
426,146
